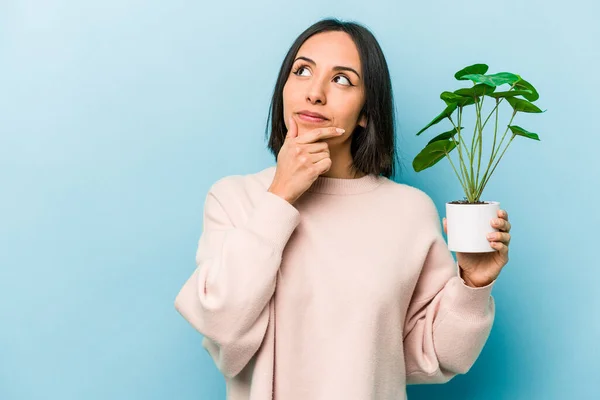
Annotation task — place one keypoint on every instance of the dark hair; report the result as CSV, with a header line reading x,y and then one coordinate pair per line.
x,y
372,148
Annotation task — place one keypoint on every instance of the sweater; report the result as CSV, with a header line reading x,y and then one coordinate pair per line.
x,y
349,293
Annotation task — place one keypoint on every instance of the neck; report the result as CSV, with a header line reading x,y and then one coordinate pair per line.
x,y
341,163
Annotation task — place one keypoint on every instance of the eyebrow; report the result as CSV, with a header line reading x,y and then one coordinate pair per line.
x,y
336,68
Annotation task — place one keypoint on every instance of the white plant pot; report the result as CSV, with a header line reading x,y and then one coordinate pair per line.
x,y
469,224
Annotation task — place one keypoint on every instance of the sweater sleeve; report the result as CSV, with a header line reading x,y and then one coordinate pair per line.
x,y
447,322
227,297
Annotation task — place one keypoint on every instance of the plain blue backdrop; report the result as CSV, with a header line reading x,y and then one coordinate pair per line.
x,y
116,116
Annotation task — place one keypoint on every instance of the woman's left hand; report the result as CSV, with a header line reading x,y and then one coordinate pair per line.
x,y
481,269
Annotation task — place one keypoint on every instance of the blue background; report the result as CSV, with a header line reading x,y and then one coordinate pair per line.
x,y
116,116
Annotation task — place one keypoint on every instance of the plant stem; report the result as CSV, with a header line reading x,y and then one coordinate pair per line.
x,y
467,188
497,103
455,171
494,109
486,176
495,130
480,139
500,158
462,168
469,154
459,131
472,187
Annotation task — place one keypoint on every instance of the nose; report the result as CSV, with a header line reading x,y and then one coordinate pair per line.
x,y
315,93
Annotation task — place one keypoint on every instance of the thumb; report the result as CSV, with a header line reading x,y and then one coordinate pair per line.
x,y
292,128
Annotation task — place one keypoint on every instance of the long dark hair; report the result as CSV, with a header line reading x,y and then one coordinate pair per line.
x,y
372,148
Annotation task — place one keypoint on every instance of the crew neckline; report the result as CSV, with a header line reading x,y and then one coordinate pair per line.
x,y
343,186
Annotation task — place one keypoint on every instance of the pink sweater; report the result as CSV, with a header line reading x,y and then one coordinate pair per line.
x,y
350,293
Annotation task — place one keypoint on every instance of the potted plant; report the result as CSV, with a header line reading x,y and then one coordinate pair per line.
x,y
468,220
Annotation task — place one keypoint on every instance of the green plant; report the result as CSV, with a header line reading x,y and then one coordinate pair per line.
x,y
483,85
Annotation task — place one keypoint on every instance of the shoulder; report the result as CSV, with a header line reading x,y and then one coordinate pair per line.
x,y
421,199
426,211
236,195
411,197
414,206
232,197
244,185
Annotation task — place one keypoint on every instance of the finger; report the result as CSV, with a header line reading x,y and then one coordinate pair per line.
x,y
320,134
499,237
317,147
292,128
501,247
496,245
316,157
503,214
324,164
500,223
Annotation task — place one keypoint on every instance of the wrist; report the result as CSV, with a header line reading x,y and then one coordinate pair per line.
x,y
279,193
466,279
473,282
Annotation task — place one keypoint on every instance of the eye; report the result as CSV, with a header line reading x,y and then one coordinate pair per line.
x,y
346,78
303,67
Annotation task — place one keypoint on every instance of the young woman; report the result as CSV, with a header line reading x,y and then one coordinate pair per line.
x,y
320,278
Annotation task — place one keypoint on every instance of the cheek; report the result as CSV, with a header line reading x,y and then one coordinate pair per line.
x,y
286,100
289,94
285,92
290,87
348,108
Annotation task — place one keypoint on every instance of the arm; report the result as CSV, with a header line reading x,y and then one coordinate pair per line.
x,y
226,298
447,322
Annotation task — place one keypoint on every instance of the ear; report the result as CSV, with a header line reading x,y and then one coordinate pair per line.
x,y
363,121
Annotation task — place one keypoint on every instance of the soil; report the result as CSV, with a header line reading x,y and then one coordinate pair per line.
x,y
467,202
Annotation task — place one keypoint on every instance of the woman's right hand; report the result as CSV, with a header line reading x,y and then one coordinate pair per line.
x,y
301,160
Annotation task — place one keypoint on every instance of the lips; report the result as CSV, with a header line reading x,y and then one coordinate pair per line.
x,y
311,116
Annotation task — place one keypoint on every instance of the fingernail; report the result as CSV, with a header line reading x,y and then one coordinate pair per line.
x,y
340,130
490,235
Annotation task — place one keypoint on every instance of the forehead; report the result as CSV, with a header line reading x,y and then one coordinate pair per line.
x,y
331,48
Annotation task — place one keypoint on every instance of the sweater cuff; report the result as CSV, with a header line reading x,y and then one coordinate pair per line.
x,y
274,219
468,302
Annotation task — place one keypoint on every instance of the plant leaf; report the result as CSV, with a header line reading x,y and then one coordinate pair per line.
x,y
431,154
523,105
524,85
495,79
445,136
517,130
444,114
471,69
510,93
476,91
461,101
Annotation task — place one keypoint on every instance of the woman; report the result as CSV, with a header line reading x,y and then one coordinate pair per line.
x,y
321,278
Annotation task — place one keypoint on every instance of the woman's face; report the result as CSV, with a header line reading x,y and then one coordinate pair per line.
x,y
326,78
